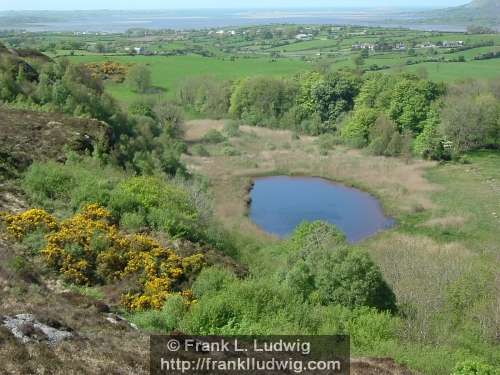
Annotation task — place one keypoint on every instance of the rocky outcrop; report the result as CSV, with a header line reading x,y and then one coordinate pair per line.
x,y
26,328
27,136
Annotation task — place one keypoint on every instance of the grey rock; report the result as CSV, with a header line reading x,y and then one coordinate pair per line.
x,y
27,328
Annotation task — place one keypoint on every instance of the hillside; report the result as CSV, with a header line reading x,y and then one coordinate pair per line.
x,y
477,12
47,325
126,219
45,136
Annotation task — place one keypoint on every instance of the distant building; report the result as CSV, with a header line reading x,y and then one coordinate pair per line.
x,y
138,50
400,46
427,45
303,36
368,46
455,44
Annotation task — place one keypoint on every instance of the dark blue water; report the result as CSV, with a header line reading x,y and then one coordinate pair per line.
x,y
280,203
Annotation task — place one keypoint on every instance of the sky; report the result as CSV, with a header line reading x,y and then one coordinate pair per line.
x,y
203,4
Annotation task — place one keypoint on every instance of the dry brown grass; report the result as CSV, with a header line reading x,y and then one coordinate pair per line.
x,y
195,129
454,222
419,271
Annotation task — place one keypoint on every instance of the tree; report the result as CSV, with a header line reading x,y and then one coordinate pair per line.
x,y
358,60
429,143
324,267
348,277
139,78
99,47
381,135
376,91
470,121
306,106
262,99
206,95
410,102
357,129
335,95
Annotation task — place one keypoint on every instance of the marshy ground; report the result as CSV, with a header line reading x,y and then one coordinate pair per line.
x,y
447,214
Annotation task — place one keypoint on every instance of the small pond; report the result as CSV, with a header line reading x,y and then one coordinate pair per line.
x,y
280,203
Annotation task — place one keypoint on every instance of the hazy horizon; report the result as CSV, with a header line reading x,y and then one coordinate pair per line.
x,y
59,5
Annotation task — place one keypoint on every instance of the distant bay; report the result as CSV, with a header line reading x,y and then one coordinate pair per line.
x,y
119,21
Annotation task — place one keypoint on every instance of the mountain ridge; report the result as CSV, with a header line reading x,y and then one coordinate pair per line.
x,y
476,12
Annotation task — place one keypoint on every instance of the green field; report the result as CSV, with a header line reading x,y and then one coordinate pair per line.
x,y
306,45
449,72
242,55
169,71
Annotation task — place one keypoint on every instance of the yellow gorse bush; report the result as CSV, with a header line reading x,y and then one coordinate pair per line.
x,y
87,249
21,224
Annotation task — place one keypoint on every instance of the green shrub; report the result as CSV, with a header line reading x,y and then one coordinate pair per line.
x,y
429,143
381,135
48,182
230,151
75,183
207,95
165,320
139,78
474,368
91,189
316,234
35,241
347,276
335,95
300,279
141,108
213,136
212,280
244,307
132,221
199,150
88,291
378,146
370,328
232,128
262,99
18,264
395,145
312,125
210,316
332,273
166,207
327,142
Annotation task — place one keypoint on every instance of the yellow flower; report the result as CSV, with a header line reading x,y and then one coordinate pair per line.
x,y
87,249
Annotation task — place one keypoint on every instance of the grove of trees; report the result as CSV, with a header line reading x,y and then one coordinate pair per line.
x,y
390,114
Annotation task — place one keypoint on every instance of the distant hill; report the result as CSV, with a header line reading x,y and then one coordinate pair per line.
x,y
477,12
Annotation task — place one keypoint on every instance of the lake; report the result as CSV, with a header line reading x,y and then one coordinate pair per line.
x,y
280,203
